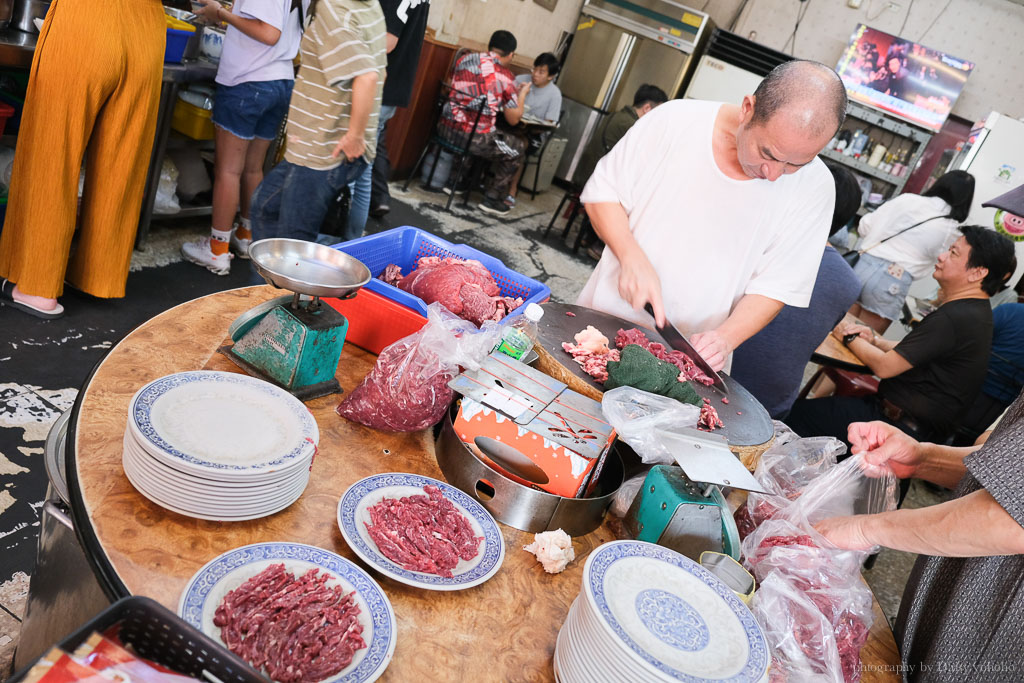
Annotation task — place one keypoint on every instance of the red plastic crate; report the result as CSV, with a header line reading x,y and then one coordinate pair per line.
x,y
374,321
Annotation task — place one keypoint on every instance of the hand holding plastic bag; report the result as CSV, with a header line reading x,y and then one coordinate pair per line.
x,y
647,421
407,390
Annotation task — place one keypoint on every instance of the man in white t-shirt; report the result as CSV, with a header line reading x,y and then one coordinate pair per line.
x,y
715,213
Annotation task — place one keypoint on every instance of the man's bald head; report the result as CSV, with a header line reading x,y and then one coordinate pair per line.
x,y
808,93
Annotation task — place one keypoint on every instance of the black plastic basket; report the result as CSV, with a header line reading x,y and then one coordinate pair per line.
x,y
158,634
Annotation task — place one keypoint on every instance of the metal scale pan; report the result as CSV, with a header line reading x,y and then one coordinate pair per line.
x,y
308,268
297,344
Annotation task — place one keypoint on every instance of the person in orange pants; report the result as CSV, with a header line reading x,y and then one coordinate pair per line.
x,y
93,91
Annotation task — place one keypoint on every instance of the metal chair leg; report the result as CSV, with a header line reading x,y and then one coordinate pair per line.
x,y
455,183
418,165
584,229
536,179
572,218
557,213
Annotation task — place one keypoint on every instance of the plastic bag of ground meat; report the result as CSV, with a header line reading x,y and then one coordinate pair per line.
x,y
799,636
407,389
646,421
785,543
823,610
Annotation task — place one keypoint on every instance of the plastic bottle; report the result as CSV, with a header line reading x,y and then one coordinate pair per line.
x,y
521,333
876,155
855,140
858,145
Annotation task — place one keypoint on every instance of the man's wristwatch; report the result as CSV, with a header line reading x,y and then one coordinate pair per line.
x,y
848,338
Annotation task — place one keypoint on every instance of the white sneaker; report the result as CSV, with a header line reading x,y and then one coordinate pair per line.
x,y
239,245
199,253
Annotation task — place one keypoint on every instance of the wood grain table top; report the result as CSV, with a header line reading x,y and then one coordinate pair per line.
x,y
831,352
502,630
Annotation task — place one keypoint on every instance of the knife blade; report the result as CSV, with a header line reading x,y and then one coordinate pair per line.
x,y
678,342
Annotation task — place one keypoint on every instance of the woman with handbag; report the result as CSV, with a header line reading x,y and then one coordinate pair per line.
x,y
900,242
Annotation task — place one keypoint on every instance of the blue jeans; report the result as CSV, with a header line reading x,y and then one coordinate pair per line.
x,y
362,189
292,200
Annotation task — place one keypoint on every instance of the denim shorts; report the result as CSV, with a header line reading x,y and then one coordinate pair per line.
x,y
252,110
885,286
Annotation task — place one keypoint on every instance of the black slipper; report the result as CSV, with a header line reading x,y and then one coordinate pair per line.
x,y
7,298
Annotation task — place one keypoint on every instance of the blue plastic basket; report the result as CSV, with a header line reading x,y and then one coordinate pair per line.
x,y
406,245
176,42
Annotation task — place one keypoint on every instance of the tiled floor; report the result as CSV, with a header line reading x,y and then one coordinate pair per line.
x,y
42,364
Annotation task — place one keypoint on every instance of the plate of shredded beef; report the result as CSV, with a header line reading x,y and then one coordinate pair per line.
x,y
420,531
337,621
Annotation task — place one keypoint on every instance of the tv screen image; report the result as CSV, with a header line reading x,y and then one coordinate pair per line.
x,y
907,79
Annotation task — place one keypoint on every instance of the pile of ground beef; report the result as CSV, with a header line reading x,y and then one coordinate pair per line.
x,y
296,630
423,533
464,287
708,419
822,585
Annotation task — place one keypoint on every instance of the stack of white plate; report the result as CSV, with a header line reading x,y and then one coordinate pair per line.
x,y
647,613
218,445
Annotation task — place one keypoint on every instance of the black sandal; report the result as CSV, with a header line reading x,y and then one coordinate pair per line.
x,y
7,298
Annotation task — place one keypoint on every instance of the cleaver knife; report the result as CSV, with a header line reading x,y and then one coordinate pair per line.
x,y
679,343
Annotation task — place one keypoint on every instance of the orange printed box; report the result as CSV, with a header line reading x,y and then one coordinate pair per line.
x,y
522,455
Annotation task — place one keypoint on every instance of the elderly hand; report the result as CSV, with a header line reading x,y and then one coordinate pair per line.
x,y
885,448
209,11
846,533
639,284
712,347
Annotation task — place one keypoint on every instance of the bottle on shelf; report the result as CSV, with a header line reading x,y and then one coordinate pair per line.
x,y
520,333
857,146
855,140
844,141
900,167
877,154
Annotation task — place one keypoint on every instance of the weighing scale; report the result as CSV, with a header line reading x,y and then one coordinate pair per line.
x,y
295,341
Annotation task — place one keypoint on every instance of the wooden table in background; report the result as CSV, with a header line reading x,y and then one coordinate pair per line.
x,y
832,353
502,630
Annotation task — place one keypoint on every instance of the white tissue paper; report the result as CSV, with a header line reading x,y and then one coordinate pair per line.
x,y
553,550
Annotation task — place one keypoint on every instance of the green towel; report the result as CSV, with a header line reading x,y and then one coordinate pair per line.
x,y
640,369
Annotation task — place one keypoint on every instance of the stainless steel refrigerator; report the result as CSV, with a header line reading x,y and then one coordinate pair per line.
x,y
618,46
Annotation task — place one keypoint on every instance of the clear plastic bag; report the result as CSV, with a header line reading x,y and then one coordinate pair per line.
x,y
647,421
788,546
626,493
166,190
407,389
799,636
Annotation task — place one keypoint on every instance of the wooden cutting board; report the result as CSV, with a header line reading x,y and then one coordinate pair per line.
x,y
747,423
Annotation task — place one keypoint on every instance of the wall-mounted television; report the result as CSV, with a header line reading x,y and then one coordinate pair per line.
x,y
906,79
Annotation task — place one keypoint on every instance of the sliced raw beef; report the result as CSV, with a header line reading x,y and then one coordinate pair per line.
x,y
296,630
423,533
708,419
464,287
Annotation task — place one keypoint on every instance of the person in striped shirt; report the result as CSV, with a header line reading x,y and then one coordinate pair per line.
x,y
332,120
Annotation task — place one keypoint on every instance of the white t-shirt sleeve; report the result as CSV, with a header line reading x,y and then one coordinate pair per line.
x,y
621,172
788,268
273,12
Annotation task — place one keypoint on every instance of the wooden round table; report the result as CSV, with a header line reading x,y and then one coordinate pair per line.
x,y
502,630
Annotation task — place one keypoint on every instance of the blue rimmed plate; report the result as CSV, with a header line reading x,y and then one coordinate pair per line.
x,y
353,516
668,614
207,589
222,424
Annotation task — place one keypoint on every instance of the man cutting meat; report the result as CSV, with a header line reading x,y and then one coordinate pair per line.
x,y
715,213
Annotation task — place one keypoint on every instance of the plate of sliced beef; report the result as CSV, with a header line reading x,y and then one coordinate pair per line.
x,y
421,531
337,621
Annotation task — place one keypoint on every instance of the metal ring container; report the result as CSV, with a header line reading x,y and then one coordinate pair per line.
x,y
520,506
